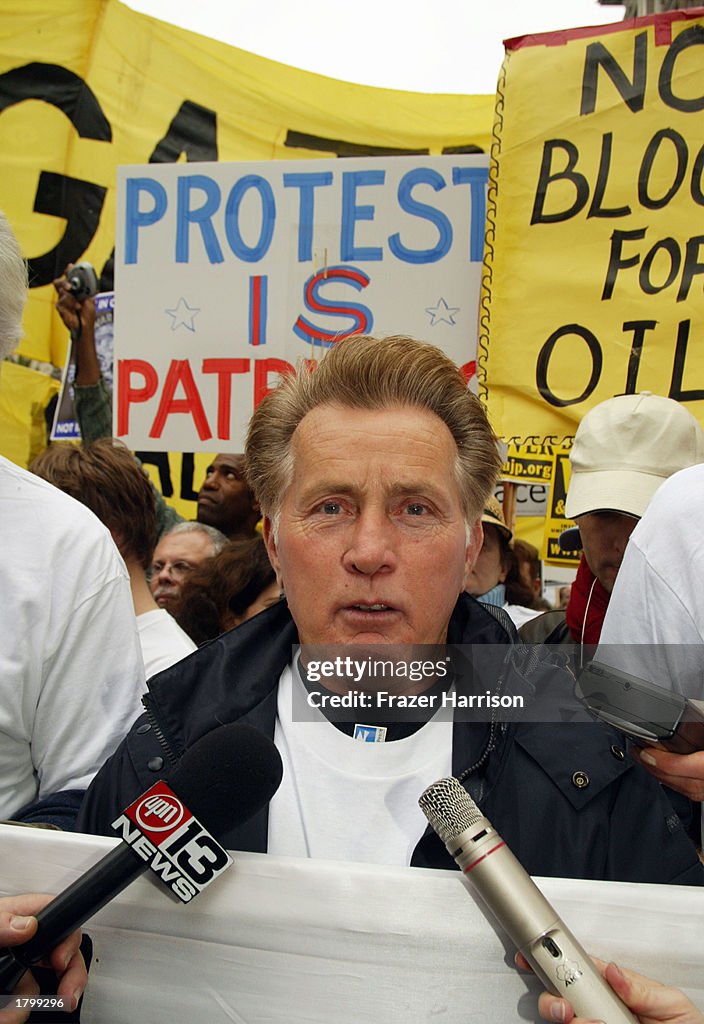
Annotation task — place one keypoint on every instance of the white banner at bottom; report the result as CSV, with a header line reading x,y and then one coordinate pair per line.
x,y
279,939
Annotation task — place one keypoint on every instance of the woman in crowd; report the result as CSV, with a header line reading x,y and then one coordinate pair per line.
x,y
229,589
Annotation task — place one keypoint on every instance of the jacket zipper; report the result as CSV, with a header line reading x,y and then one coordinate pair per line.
x,y
171,757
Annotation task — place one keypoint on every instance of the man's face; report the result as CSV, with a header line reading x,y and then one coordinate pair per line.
x,y
489,568
175,556
604,537
225,501
371,544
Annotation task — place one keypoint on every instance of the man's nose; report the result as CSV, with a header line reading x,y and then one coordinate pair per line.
x,y
164,575
210,483
371,546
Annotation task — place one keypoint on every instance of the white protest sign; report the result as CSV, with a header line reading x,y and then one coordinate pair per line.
x,y
228,274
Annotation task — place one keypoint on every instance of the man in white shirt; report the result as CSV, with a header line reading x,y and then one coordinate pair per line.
x,y
654,627
71,673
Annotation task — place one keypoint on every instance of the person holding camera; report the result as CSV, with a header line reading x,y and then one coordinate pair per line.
x,y
75,304
225,500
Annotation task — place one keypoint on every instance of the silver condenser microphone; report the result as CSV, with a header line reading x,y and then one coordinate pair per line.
x,y
489,867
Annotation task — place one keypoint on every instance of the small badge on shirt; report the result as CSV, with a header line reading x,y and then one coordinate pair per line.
x,y
369,733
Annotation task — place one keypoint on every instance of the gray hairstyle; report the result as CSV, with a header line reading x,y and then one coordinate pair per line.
x,y
219,540
13,288
363,372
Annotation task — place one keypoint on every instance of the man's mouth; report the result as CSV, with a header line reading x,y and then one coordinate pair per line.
x,y
372,607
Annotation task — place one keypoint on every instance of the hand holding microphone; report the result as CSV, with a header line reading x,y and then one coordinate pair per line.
x,y
222,780
652,1002
17,924
512,896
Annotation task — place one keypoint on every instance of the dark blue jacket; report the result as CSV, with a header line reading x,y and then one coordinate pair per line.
x,y
565,796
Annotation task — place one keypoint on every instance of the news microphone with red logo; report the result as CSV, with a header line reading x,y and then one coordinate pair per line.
x,y
221,781
518,905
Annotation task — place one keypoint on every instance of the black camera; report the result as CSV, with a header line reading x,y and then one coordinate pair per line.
x,y
82,281
646,712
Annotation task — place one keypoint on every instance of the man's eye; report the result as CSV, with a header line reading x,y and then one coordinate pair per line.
x,y
414,508
181,567
157,566
331,508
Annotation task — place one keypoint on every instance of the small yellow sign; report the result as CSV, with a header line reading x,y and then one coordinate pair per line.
x,y
556,521
526,464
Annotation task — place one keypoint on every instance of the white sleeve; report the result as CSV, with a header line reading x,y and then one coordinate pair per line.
x,y
92,687
71,672
650,628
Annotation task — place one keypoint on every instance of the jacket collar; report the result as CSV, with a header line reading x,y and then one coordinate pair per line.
x,y
235,677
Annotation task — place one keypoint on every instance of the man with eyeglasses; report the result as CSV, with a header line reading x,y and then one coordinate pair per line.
x,y
185,547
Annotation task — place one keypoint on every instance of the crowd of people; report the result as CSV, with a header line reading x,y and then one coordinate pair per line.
x,y
372,479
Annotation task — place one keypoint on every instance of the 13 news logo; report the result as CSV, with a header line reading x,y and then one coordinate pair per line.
x,y
164,833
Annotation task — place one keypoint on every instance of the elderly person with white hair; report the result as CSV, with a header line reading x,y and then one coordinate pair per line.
x,y
71,672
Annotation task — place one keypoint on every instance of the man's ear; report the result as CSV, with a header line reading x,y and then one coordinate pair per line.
x,y
271,548
475,539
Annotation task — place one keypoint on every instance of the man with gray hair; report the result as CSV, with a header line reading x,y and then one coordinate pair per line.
x,y
372,473
181,550
71,672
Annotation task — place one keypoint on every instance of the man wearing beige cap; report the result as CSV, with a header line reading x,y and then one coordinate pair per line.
x,y
624,449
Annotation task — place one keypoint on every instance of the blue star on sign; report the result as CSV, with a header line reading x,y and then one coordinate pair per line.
x,y
183,315
442,313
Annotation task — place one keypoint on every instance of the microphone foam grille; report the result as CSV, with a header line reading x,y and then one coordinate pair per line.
x,y
227,775
449,808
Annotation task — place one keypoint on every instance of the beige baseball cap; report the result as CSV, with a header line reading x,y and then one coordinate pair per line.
x,y
625,448
494,514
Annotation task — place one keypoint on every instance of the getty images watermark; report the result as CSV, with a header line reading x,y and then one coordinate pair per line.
x,y
392,682
638,685
393,677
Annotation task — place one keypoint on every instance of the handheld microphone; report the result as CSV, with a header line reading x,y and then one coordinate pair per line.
x,y
223,779
518,905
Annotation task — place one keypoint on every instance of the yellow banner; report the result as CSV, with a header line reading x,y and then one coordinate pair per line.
x,y
595,253
88,85
24,396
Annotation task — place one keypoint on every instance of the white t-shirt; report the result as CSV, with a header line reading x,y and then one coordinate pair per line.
x,y
71,672
343,799
163,641
519,614
658,597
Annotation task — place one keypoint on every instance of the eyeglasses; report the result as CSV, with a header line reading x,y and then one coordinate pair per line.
x,y
175,569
